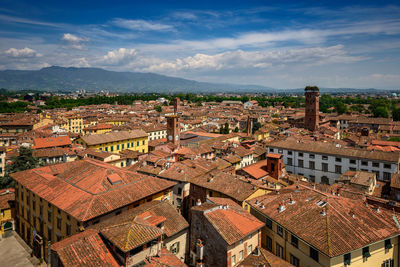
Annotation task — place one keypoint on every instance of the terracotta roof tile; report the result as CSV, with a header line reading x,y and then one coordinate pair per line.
x,y
83,190
335,233
84,249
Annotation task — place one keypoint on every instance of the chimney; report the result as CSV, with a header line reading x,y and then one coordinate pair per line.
x,y
198,202
291,200
323,212
281,206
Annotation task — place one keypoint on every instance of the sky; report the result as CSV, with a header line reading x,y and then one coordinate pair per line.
x,y
279,44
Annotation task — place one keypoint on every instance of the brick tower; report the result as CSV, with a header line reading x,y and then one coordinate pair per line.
x,y
173,125
311,119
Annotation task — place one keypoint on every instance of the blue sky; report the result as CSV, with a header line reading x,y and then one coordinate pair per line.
x,y
282,44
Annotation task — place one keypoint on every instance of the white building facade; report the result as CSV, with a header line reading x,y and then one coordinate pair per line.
x,y
324,166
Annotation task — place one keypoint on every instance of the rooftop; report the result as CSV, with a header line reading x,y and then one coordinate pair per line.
x,y
340,224
89,188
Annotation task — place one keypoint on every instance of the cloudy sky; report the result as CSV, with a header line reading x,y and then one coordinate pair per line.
x,y
281,44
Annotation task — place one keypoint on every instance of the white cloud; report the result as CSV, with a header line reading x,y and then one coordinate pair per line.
x,y
74,41
22,53
119,57
240,59
141,25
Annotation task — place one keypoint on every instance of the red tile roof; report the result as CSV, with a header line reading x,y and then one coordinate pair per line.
x,y
84,249
6,196
165,259
232,223
335,233
83,190
257,170
51,142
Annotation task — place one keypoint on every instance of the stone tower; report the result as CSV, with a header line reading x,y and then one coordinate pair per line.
x,y
173,125
311,119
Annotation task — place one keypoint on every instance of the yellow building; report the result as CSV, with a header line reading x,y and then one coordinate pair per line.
x,y
97,129
7,197
44,120
115,121
73,124
136,140
307,227
56,202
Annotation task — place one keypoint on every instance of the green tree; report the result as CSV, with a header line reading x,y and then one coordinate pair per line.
x,y
396,114
381,112
257,125
24,161
340,108
158,108
236,129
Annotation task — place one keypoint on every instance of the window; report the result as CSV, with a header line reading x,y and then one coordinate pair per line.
x,y
280,151
312,178
49,216
112,148
137,143
49,234
233,259
279,230
301,163
388,244
347,259
388,263
365,252
294,261
338,159
268,222
364,163
68,227
143,142
249,249
294,241
290,153
312,156
117,147
174,248
386,166
311,164
314,254
269,243
352,169
338,169
122,146
241,255
352,161
324,167
324,157
375,164
279,250
289,161
386,176
300,154
58,223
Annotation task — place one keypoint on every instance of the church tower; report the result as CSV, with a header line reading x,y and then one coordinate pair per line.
x,y
311,119
173,125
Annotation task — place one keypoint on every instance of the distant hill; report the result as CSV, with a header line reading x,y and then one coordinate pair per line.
x,y
69,79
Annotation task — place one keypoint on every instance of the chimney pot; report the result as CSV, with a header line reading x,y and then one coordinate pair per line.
x,y
198,202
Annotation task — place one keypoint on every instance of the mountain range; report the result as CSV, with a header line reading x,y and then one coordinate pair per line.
x,y
69,79
56,78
